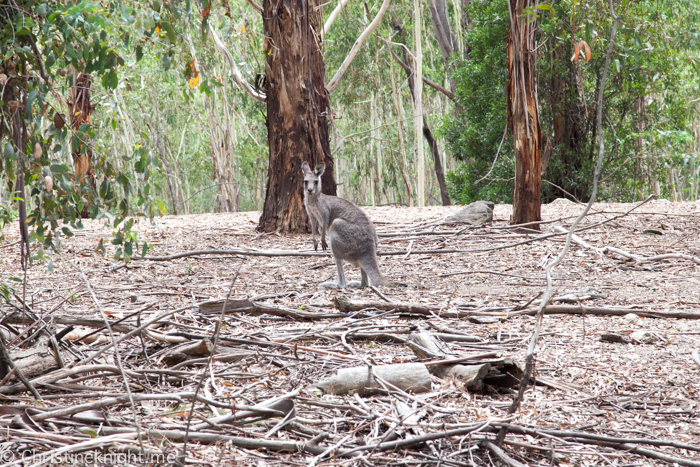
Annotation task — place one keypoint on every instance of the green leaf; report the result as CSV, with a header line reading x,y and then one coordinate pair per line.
x,y
67,232
169,31
118,239
166,62
139,53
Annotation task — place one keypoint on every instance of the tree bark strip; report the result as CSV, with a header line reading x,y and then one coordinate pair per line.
x,y
524,114
80,113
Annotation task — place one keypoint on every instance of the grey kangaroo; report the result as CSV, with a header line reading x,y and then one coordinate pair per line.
x,y
352,235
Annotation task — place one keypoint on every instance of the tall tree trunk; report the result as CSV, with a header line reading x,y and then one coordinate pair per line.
x,y
19,140
523,113
80,113
221,155
297,110
569,137
158,136
418,100
432,142
439,171
400,116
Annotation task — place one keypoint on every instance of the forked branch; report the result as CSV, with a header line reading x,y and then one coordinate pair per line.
x,y
237,76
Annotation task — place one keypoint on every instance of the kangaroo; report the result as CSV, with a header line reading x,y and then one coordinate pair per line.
x,y
352,235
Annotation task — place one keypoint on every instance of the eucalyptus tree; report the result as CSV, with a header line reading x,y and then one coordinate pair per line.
x,y
649,104
523,111
51,52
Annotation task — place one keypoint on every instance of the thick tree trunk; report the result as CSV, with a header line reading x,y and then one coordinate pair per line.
x,y
80,113
297,110
523,114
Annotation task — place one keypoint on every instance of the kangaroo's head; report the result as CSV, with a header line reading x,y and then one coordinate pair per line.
x,y
312,179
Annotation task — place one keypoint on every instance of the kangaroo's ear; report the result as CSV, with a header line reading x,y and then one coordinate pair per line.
x,y
305,168
319,169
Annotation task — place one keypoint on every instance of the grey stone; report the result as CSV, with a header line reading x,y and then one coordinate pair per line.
x,y
644,337
476,213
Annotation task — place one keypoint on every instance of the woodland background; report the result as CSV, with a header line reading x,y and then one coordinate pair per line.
x,y
171,132
124,110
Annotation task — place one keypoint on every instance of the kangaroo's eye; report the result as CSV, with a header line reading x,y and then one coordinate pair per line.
x,y
316,182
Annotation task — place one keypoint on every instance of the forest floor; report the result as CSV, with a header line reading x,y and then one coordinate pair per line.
x,y
641,396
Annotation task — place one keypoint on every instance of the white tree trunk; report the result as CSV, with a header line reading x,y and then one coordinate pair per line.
x,y
400,116
418,107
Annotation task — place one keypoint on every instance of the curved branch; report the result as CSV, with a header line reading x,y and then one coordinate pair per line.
x,y
442,31
427,81
333,15
333,83
234,68
257,7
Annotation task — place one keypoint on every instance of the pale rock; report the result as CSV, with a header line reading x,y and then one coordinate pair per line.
x,y
631,318
476,213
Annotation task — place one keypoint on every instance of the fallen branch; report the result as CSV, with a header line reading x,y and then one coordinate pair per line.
x,y
628,255
256,309
342,303
67,372
605,311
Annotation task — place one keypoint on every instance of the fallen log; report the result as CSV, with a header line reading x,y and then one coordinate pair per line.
x,y
409,377
197,349
502,372
36,360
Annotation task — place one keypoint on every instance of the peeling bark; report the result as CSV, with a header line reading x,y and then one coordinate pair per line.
x,y
80,113
524,114
297,110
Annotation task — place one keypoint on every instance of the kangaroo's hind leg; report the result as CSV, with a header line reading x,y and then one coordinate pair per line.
x,y
341,284
360,284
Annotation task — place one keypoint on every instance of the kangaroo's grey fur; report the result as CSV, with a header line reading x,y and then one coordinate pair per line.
x,y
352,235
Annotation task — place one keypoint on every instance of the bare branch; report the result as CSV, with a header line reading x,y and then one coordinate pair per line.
x,y
234,68
333,15
333,83
427,81
442,31
257,7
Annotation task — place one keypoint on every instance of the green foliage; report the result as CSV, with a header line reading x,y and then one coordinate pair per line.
x,y
474,136
647,108
46,46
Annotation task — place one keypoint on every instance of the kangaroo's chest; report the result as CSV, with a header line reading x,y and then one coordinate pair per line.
x,y
314,211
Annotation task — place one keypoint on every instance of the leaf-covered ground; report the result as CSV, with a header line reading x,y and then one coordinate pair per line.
x,y
643,390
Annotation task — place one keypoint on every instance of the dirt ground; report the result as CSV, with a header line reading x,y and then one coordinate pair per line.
x,y
648,388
